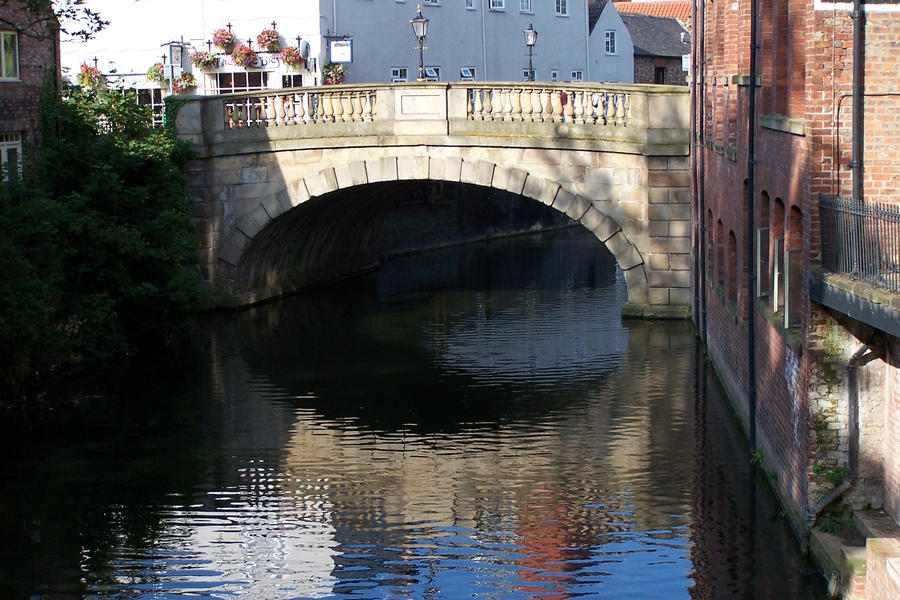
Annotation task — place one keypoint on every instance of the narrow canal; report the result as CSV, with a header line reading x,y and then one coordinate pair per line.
x,y
476,422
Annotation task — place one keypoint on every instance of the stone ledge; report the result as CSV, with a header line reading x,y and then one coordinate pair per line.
x,y
655,311
873,306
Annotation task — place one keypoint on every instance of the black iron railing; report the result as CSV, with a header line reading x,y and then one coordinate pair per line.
x,y
861,240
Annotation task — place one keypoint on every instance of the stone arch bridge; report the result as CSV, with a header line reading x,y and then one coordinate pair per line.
x,y
283,181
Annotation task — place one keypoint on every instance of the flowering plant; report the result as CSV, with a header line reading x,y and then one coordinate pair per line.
x,y
156,73
203,59
243,55
90,77
184,83
291,56
223,38
333,74
268,39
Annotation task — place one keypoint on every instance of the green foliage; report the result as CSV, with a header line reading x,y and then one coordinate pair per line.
x,y
758,460
99,249
834,474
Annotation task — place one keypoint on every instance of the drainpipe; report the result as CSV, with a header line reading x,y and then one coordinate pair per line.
x,y
695,158
700,44
856,162
853,445
751,233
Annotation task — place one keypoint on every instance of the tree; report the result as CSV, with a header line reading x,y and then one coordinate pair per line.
x,y
71,17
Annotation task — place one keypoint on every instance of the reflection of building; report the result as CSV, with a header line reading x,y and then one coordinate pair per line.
x,y
28,53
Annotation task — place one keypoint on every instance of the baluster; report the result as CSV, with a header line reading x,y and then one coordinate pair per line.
x,y
366,106
488,105
590,107
610,108
374,102
578,106
327,108
478,107
546,106
505,106
497,104
620,109
356,101
298,108
469,105
288,102
556,113
515,98
569,106
537,108
525,99
279,110
229,115
337,108
346,108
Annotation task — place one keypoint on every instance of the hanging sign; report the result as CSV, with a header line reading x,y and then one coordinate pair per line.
x,y
340,51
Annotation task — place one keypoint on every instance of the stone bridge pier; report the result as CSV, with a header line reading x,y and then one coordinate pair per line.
x,y
284,183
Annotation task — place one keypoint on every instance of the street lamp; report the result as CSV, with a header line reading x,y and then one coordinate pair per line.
x,y
530,39
420,30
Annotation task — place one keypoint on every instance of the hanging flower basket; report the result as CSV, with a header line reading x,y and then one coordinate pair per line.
x,y
333,74
156,73
224,39
185,83
291,57
203,59
268,39
90,77
243,56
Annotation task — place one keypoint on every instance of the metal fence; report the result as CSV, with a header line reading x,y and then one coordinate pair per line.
x,y
861,240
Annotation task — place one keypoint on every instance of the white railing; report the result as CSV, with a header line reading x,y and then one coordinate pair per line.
x,y
548,104
273,108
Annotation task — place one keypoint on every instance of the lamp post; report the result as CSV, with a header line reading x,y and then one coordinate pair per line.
x,y
530,39
420,30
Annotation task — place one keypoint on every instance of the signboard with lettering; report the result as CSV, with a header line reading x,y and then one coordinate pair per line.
x,y
340,51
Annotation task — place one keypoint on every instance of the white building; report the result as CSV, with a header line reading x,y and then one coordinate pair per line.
x,y
466,39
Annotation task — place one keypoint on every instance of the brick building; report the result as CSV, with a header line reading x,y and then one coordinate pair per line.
x,y
661,45
29,51
803,326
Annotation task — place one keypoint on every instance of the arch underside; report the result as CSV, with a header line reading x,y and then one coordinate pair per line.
x,y
291,240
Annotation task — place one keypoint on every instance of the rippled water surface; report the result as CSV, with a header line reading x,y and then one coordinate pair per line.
x,y
471,423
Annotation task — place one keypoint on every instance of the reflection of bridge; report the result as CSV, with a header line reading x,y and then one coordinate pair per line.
x,y
290,183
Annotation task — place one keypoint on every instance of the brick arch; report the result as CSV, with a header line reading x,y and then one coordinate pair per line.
x,y
457,170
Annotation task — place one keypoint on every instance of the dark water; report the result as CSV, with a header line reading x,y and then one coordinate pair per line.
x,y
471,423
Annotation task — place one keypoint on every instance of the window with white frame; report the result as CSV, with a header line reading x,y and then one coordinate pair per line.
x,y
498,4
467,73
577,75
228,83
561,8
9,55
610,41
470,4
526,75
153,98
10,156
554,75
432,73
431,2
525,6
291,81
399,74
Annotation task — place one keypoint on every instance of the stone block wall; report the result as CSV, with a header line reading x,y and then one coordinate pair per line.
x,y
882,569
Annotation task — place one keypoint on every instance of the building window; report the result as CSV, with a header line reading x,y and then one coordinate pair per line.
x,y
467,73
432,73
525,6
470,4
498,4
610,42
153,98
228,83
561,8
659,75
554,75
9,55
399,74
10,156
432,2
526,75
291,81
577,76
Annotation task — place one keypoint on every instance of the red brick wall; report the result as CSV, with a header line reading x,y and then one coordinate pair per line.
x,y
37,57
880,583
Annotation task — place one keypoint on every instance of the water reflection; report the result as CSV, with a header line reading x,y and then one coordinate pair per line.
x,y
471,423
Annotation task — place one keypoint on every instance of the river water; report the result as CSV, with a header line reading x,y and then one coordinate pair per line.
x,y
476,422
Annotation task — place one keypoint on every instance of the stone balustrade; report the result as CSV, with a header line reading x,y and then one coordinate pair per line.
x,y
547,104
299,106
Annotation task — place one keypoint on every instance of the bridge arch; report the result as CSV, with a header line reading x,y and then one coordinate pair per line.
x,y
260,251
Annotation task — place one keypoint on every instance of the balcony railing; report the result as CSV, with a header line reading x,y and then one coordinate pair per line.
x,y
861,240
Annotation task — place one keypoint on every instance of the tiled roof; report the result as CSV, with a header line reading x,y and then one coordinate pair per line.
x,y
675,9
656,36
